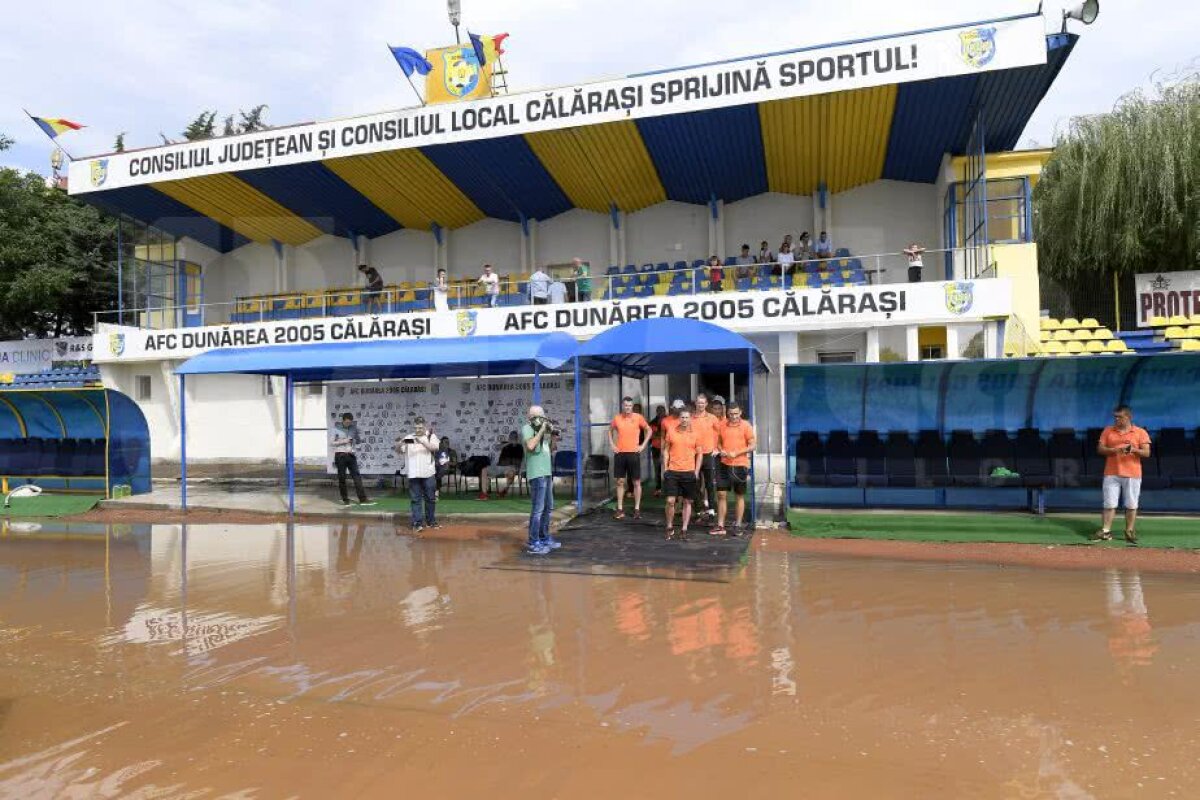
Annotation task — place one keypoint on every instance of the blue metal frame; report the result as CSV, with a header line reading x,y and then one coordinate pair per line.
x,y
183,440
289,424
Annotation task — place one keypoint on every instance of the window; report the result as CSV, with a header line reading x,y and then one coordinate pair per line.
x,y
932,352
844,357
1007,212
141,387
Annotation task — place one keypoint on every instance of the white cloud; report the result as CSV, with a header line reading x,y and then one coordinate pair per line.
x,y
154,65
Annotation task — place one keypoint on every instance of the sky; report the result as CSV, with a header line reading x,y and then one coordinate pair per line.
x,y
153,65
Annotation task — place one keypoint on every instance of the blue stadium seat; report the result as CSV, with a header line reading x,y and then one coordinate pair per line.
x,y
612,271
842,252
661,266
629,269
743,284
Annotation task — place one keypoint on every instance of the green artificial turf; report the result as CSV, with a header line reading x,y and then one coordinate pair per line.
x,y
50,505
991,527
460,504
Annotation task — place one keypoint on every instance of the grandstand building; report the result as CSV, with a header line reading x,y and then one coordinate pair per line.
x,y
255,240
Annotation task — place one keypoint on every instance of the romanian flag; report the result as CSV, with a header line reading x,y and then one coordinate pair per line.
x,y
53,126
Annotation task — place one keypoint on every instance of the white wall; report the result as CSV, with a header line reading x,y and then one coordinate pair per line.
x,y
574,234
883,217
248,270
325,262
766,216
488,241
403,255
667,232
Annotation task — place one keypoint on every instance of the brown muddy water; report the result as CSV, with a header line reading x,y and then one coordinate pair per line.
x,y
347,661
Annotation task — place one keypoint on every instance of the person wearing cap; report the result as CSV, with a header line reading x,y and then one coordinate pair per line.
x,y
705,426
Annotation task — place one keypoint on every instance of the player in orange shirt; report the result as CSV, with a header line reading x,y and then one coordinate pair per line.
x,y
736,443
682,456
1123,445
705,425
628,444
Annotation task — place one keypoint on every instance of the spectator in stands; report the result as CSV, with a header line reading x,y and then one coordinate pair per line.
x,y
628,444
1123,445
784,260
373,295
539,287
656,434
558,291
916,263
765,256
583,280
343,439
512,455
803,250
490,282
441,292
745,264
682,457
716,274
420,448
824,247
735,440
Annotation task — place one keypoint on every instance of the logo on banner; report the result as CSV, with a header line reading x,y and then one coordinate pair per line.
x,y
116,343
1160,284
978,46
60,349
959,297
468,323
460,71
99,171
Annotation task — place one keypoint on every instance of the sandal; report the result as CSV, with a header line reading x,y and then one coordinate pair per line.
x,y
1131,538
619,515
637,513
1101,536
683,535
716,531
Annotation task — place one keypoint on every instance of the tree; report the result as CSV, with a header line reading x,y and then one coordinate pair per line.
x,y
202,127
5,142
119,145
253,120
1121,193
228,129
57,259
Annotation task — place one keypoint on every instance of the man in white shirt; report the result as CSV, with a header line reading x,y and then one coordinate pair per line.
x,y
558,292
916,262
539,287
490,282
419,449
824,247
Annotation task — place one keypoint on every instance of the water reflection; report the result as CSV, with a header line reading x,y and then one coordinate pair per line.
x,y
302,633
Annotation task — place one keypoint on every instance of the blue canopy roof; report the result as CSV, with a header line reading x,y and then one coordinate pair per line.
x,y
424,358
669,346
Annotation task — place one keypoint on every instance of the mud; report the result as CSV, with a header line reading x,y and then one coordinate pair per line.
x,y
347,661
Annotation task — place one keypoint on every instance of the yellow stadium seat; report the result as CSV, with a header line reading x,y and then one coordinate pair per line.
x,y
1070,323
661,288
1082,335
1050,324
1054,348
1044,336
1094,347
1103,334
1117,346
1190,345
1195,319
1062,335
405,284
1158,322
1193,332
1178,319
1075,347
1175,332
1090,323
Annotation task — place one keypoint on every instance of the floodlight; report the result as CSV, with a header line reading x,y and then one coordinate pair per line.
x,y
455,9
1086,12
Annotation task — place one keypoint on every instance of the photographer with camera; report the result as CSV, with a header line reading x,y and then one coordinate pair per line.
x,y
536,436
419,449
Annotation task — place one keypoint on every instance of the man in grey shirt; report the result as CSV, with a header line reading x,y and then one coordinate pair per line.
x,y
343,438
558,292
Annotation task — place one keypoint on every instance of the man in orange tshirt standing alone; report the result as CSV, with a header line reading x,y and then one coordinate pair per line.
x,y
1124,445
736,441
625,436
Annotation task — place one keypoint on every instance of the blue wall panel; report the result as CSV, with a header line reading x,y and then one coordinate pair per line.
x,y
982,395
502,176
902,397
1079,393
1165,392
825,398
708,153
314,192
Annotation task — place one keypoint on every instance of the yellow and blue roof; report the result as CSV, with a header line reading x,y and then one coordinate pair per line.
x,y
837,141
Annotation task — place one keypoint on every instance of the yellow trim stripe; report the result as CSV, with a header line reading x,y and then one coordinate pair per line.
x,y
600,164
17,414
408,187
838,138
239,206
62,426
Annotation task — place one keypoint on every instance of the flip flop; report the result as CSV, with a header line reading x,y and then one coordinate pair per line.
x,y
619,515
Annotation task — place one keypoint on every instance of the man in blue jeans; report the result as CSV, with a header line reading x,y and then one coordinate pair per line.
x,y
539,471
419,449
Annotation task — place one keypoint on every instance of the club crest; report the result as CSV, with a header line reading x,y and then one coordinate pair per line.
x,y
960,296
467,323
460,74
116,343
99,171
978,46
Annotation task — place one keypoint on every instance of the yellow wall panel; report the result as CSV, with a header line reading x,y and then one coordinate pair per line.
x,y
240,207
406,185
838,138
600,164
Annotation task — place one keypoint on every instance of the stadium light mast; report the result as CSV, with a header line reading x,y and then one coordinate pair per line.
x,y
454,8
1086,12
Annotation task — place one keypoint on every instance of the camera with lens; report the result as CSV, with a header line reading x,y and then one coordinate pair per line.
x,y
537,424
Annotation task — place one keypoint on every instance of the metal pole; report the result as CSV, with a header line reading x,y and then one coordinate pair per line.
x,y
537,384
120,278
578,444
289,425
183,440
753,421
1117,300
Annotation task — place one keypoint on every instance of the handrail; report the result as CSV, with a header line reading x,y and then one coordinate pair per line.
x,y
468,292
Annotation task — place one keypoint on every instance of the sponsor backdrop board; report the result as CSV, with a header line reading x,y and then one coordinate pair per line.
x,y
744,312
1167,294
477,414
921,56
25,356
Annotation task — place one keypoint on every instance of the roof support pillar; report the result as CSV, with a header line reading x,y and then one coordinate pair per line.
x,y
716,227
616,236
440,242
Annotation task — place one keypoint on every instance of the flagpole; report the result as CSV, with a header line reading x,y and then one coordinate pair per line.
x,y
408,78
53,140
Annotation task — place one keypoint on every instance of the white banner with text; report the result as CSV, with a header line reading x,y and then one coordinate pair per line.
x,y
1166,295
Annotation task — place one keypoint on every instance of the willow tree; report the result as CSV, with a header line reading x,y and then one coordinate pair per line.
x,y
1121,194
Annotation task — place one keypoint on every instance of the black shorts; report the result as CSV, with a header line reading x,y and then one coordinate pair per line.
x,y
680,484
732,478
627,466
